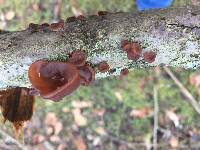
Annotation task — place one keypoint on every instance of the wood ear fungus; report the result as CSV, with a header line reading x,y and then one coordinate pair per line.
x,y
33,27
124,73
54,80
103,66
71,19
149,56
57,26
87,74
78,58
81,17
102,13
133,49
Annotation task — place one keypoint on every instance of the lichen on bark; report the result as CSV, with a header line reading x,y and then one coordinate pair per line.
x,y
172,33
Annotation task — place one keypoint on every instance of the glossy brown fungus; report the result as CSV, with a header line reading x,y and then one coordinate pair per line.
x,y
133,49
102,13
44,27
57,26
87,74
81,17
124,73
78,58
149,56
33,27
54,80
71,19
103,67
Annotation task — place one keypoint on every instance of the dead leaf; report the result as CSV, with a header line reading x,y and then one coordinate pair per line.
x,y
38,138
141,113
80,143
195,80
99,112
174,142
55,139
52,121
195,2
65,110
58,127
81,104
35,7
62,146
10,15
2,2
79,119
173,117
76,8
119,96
100,131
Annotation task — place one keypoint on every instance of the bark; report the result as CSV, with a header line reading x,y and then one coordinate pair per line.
x,y
174,34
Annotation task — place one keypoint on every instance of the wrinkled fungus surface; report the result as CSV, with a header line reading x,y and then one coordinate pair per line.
x,y
87,74
71,19
78,58
133,49
54,80
149,56
57,26
102,13
103,66
33,27
124,73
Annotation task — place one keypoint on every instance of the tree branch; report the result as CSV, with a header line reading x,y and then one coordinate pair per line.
x,y
172,33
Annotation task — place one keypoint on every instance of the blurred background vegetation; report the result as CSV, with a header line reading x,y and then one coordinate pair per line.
x,y
112,113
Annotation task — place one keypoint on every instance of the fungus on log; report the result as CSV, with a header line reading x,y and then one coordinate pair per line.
x,y
173,34
54,80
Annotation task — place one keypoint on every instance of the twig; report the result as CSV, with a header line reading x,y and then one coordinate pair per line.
x,y
156,109
185,92
128,144
57,10
12,140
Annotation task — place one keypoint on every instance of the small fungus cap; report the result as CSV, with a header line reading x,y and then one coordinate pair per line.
x,y
87,74
103,66
149,56
78,58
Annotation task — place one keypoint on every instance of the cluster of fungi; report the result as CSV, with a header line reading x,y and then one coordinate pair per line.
x,y
57,79
54,79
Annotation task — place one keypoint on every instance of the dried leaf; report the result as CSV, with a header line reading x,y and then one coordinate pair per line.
x,y
10,15
55,139
99,112
119,96
81,104
100,130
195,2
2,2
173,117
79,119
62,146
65,110
141,113
174,142
80,143
195,80
38,138
52,120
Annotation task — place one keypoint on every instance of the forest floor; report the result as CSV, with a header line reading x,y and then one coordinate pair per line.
x,y
113,113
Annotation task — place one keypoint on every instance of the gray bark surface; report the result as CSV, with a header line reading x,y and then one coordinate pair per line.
x,y
174,34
